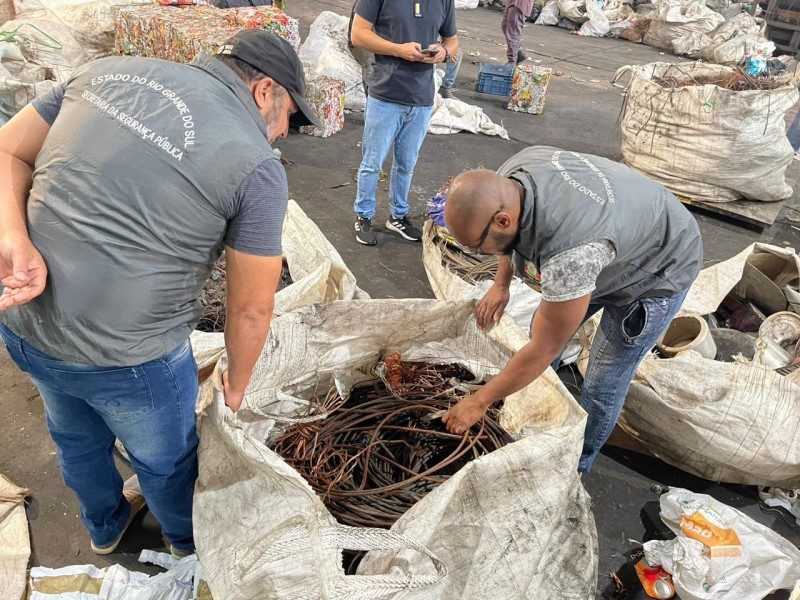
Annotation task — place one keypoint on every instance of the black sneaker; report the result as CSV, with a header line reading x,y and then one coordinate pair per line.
x,y
521,57
365,234
405,228
445,93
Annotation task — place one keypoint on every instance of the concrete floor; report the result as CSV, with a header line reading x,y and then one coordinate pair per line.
x,y
581,114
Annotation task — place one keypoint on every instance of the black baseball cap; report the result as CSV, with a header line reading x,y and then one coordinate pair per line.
x,y
274,57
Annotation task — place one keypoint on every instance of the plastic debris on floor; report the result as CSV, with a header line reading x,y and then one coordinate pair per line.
x,y
182,581
451,115
529,89
720,552
327,97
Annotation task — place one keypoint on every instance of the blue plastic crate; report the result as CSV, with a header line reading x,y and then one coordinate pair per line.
x,y
494,79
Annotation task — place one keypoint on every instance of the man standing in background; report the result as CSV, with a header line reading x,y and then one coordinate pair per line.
x,y
514,16
400,88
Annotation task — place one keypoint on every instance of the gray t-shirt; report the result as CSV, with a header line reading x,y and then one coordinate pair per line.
x,y
255,214
393,79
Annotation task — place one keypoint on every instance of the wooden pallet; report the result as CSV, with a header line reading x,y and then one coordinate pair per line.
x,y
750,213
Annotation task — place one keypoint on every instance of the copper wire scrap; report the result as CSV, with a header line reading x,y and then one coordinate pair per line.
x,y
470,267
384,448
736,81
215,294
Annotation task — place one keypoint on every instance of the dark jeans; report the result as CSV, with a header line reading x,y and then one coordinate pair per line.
x,y
625,336
513,22
149,407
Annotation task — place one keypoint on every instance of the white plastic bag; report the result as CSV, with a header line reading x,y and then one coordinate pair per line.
x,y
451,115
721,552
598,24
20,81
549,14
327,53
467,4
87,582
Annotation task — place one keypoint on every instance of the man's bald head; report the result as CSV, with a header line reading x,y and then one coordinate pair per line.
x,y
473,202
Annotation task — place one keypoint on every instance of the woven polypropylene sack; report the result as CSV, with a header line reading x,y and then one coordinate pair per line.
x,y
318,274
724,421
261,531
702,141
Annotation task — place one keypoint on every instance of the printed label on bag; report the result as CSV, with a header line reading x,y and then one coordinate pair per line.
x,y
720,542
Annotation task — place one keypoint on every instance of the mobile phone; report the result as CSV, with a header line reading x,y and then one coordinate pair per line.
x,y
430,51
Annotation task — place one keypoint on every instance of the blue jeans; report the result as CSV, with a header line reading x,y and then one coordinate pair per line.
x,y
625,336
150,408
794,133
451,70
388,125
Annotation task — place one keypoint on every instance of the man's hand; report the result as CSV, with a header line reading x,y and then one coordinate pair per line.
x,y
437,58
490,308
465,414
23,273
232,399
411,52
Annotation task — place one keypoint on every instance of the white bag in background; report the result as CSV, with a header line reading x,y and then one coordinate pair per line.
x,y
262,532
467,4
20,81
451,115
720,552
326,51
598,24
549,14
702,141
681,26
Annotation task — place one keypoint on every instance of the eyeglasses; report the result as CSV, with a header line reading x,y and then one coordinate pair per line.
x,y
477,248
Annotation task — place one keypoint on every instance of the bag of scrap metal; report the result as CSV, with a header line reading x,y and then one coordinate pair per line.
x,y
327,53
263,532
732,417
682,26
316,273
708,132
578,11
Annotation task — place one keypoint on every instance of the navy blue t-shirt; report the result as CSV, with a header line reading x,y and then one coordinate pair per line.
x,y
393,79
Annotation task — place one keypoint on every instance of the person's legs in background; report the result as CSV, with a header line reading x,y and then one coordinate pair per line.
x,y
450,74
625,336
406,151
513,22
382,122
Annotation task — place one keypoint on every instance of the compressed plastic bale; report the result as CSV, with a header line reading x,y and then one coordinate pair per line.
x,y
529,88
327,97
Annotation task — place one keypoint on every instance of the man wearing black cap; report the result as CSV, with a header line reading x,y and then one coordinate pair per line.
x,y
145,170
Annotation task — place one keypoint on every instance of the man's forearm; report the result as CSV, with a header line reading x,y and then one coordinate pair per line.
x,y
523,368
245,334
372,42
451,45
15,185
505,272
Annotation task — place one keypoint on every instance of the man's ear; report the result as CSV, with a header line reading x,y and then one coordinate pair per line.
x,y
502,219
262,92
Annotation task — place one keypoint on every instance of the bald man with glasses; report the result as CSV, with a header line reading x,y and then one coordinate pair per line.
x,y
594,235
